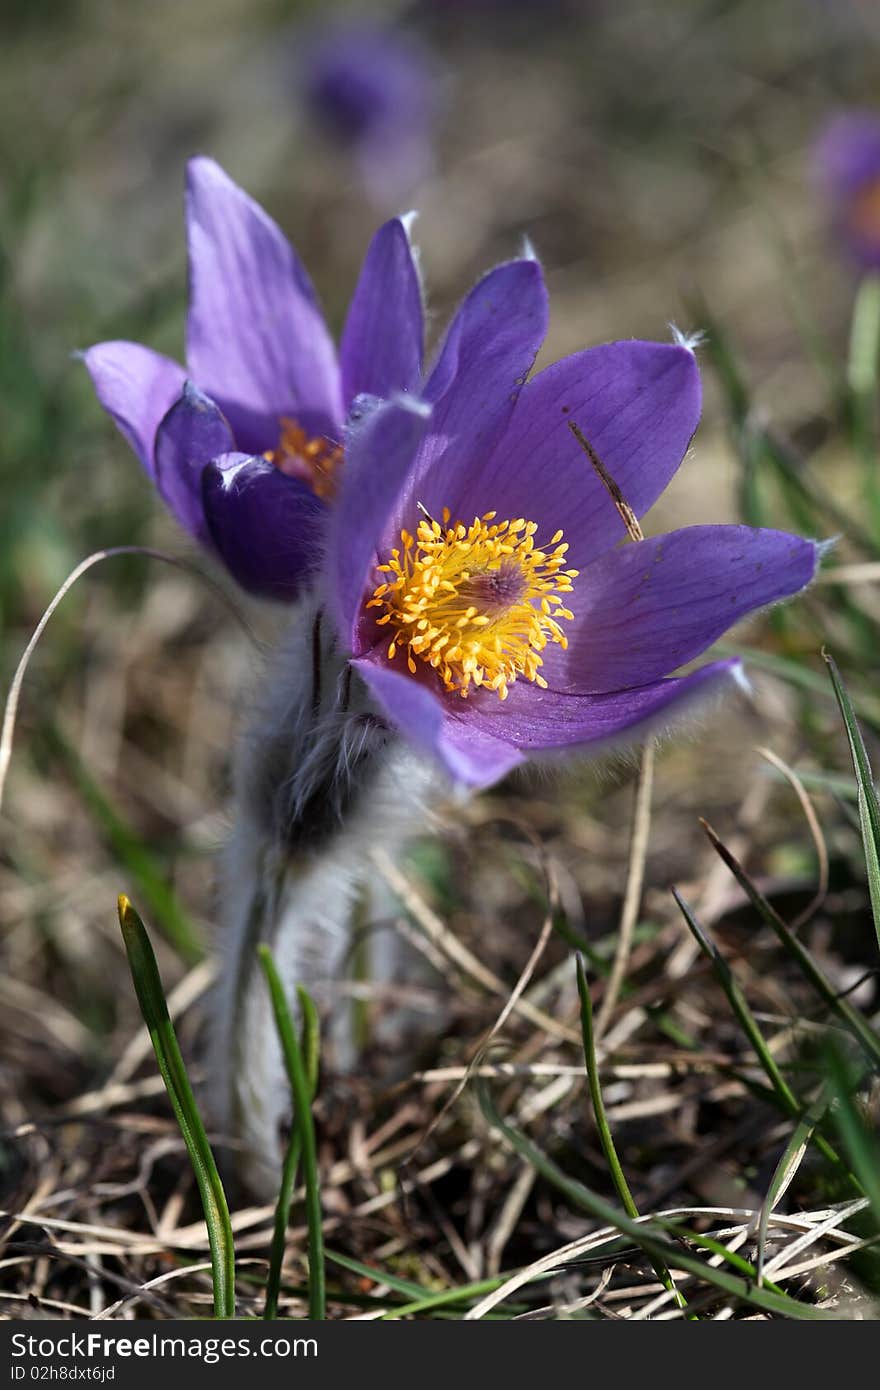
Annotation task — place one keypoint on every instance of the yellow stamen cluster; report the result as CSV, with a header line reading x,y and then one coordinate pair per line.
x,y
314,460
479,603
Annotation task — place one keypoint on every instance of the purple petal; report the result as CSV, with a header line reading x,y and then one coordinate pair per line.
x,y
267,527
192,434
489,349
381,350
136,387
538,721
469,755
379,452
487,354
479,740
637,403
256,338
645,610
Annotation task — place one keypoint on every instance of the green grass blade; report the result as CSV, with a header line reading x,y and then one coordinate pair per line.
x,y
311,1037
849,1017
647,1236
445,1297
298,1077
739,1006
860,1144
419,1299
864,358
379,1276
146,873
310,1046
785,1171
749,1024
869,809
151,998
621,1186
864,343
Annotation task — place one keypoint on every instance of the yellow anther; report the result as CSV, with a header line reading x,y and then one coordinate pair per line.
x,y
476,603
311,458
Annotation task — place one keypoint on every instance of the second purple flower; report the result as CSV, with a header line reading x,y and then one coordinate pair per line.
x,y
263,396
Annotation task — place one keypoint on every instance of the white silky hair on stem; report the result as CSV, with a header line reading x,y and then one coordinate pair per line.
x,y
320,780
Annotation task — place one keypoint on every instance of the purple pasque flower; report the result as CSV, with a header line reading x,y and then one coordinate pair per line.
x,y
245,443
374,90
847,158
482,634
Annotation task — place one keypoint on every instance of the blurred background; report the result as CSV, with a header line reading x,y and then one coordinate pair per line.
x,y
659,158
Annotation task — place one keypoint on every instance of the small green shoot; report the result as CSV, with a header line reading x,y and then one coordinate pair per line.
x,y
869,809
310,1046
297,1075
151,998
621,1186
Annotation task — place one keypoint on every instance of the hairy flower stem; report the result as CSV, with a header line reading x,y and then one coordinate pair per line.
x,y
320,781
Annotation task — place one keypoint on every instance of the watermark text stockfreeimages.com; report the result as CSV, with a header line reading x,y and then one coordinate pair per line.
x,y
93,1346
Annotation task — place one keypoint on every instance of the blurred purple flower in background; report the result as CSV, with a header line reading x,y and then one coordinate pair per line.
x,y
485,637
374,90
245,444
847,159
